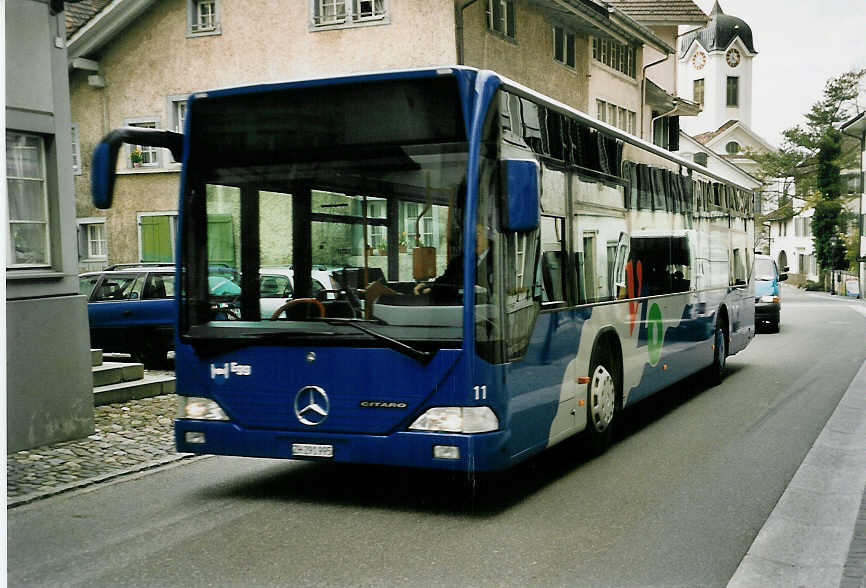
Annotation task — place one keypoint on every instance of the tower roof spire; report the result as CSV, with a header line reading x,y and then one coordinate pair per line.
x,y
719,33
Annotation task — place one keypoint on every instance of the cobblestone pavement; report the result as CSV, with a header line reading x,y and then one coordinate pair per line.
x,y
128,437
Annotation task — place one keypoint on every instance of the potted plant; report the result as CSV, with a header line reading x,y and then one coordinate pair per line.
x,y
402,244
135,157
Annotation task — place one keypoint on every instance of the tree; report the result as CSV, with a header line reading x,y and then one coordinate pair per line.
x,y
811,157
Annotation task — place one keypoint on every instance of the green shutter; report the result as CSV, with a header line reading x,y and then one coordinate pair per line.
x,y
220,239
156,238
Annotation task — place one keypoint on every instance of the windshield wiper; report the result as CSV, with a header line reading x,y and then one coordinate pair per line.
x,y
422,356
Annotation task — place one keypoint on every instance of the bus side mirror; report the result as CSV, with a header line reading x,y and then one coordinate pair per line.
x,y
520,186
105,157
783,277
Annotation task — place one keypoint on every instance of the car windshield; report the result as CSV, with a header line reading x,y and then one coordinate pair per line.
x,y
764,269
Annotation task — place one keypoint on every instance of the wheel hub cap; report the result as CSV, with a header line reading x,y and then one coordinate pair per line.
x,y
602,397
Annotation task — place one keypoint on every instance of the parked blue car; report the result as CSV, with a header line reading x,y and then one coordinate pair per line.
x,y
768,292
131,309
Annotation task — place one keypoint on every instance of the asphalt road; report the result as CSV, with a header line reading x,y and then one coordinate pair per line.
x,y
677,500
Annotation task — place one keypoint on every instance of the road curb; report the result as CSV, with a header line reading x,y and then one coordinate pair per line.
x,y
149,465
809,538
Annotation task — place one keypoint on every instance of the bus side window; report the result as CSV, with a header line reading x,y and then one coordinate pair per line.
x,y
680,265
551,268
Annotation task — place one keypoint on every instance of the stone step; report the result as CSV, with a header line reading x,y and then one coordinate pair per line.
x,y
149,385
115,373
95,357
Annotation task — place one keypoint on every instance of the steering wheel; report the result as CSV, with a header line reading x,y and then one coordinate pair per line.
x,y
295,301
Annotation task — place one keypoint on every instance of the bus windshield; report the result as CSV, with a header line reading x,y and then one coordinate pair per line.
x,y
332,214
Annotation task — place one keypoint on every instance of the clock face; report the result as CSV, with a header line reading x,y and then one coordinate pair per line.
x,y
699,59
732,57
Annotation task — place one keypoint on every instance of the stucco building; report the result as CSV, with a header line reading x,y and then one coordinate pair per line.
x,y
49,394
134,62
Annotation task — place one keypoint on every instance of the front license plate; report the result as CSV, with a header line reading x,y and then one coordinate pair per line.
x,y
312,450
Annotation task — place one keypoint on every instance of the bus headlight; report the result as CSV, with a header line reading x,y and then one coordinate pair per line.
x,y
457,419
769,299
202,409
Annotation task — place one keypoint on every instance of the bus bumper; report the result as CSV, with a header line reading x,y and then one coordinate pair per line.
x,y
475,452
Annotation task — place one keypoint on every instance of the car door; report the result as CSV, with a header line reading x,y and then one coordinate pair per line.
x,y
156,311
113,304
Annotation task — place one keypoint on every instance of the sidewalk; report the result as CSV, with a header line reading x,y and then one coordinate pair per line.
x,y
816,534
128,437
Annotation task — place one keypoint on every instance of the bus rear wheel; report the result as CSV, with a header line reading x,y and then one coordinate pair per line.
x,y
601,406
716,371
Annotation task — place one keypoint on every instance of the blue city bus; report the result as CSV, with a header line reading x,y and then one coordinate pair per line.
x,y
507,271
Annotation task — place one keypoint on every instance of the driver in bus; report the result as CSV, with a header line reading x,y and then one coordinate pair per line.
x,y
453,275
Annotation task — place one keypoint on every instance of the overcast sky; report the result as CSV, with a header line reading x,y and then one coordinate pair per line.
x,y
800,44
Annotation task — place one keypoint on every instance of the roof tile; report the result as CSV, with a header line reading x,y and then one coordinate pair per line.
x,y
672,11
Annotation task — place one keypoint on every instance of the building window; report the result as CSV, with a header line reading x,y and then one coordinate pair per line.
x,y
419,229
701,159
29,240
76,151
616,116
698,91
622,58
563,46
732,148
92,239
156,236
500,17
660,129
143,156
178,115
176,110
733,91
340,13
203,17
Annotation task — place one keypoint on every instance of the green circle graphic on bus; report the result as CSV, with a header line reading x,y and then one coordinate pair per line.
x,y
655,334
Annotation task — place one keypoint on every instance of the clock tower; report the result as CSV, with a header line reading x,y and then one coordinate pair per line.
x,y
715,70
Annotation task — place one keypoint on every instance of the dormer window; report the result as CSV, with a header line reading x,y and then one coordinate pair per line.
x,y
732,148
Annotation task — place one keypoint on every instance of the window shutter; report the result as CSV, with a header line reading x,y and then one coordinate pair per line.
x,y
220,239
673,133
156,238
82,242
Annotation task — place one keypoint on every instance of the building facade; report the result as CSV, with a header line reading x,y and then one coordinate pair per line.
x,y
856,129
135,63
48,378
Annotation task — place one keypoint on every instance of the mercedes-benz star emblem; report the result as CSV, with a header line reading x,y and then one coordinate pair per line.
x,y
312,405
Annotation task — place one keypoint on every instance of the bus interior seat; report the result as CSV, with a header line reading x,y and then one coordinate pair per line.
x,y
156,288
353,277
338,309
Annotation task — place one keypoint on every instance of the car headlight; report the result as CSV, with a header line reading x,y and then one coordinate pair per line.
x,y
202,409
769,299
457,419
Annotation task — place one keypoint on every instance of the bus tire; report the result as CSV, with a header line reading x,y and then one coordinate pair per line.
x,y
152,353
602,400
716,371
